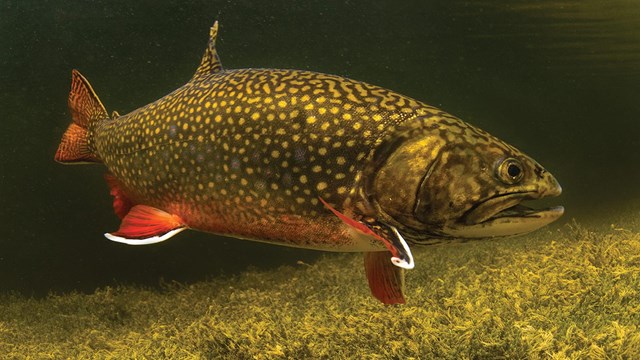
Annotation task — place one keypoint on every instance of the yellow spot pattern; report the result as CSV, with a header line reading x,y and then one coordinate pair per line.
x,y
251,145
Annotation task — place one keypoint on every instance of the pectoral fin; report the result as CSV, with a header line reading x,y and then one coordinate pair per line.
x,y
388,235
145,225
385,280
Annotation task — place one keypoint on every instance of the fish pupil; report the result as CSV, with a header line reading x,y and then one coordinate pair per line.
x,y
514,170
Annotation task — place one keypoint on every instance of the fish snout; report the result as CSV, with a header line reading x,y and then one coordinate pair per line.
x,y
549,187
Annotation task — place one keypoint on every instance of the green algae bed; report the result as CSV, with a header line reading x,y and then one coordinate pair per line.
x,y
570,293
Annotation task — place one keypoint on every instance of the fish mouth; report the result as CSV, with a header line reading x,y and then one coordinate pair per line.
x,y
504,215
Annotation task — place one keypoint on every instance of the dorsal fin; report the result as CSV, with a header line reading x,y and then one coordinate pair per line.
x,y
210,63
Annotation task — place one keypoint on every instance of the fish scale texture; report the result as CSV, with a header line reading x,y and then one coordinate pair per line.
x,y
237,150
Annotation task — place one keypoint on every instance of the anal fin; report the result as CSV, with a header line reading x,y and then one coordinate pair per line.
x,y
386,281
145,225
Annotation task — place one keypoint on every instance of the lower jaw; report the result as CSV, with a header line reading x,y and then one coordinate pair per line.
x,y
506,225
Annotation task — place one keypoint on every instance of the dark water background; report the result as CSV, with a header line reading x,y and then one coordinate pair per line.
x,y
558,79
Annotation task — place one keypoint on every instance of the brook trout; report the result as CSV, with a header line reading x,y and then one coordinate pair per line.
x,y
305,159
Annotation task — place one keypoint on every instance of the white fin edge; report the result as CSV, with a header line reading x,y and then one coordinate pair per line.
x,y
147,241
400,262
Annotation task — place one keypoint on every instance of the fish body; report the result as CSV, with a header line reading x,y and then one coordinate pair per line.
x,y
304,159
249,152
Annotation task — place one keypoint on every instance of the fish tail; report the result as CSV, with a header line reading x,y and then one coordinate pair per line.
x,y
86,110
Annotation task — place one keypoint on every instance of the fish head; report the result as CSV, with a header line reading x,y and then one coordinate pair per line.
x,y
457,181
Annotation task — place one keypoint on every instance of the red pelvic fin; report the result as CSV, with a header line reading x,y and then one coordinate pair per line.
x,y
121,203
386,281
85,108
146,225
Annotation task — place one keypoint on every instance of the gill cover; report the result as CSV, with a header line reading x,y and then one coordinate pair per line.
x,y
405,165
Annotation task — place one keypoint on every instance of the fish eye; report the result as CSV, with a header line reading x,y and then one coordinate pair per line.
x,y
511,171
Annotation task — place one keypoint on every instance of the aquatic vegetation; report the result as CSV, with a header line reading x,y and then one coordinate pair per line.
x,y
572,293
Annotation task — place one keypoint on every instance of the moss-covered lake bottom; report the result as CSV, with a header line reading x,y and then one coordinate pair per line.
x,y
569,293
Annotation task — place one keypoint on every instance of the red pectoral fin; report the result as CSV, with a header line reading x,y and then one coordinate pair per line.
x,y
388,235
360,227
146,225
386,281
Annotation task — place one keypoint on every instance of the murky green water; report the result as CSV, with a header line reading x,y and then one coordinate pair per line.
x,y
560,80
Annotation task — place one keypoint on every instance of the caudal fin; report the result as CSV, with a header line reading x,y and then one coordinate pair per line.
x,y
85,108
